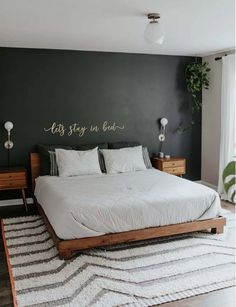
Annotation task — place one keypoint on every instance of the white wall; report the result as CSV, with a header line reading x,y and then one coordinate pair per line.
x,y
211,110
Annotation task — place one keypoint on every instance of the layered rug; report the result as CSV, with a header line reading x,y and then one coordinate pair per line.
x,y
144,273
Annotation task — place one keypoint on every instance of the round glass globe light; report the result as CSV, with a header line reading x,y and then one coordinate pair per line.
x,y
164,121
8,126
154,33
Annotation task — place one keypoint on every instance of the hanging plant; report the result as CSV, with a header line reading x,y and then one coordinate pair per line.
x,y
229,180
197,78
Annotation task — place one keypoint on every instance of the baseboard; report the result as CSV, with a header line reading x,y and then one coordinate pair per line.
x,y
209,185
14,202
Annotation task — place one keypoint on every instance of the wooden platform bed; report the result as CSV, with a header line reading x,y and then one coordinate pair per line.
x,y
67,247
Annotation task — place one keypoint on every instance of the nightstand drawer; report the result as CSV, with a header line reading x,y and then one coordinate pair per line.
x,y
11,184
12,176
175,170
167,164
174,166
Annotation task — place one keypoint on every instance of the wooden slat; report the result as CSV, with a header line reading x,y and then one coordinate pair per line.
x,y
142,234
66,247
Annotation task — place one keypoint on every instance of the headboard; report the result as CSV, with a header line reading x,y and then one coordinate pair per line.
x,y
35,167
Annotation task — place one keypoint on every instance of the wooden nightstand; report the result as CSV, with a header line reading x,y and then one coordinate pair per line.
x,y
174,166
14,178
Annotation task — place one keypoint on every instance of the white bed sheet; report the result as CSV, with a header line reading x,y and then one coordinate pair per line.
x,y
94,205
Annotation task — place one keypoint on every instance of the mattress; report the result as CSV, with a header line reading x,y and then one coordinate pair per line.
x,y
87,206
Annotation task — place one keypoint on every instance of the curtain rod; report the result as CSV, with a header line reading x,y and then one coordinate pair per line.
x,y
220,57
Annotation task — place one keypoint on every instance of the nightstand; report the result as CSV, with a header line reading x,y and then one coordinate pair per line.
x,y
14,178
174,166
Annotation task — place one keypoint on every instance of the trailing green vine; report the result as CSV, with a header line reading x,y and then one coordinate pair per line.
x,y
197,78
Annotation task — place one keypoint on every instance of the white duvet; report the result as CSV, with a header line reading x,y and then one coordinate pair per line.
x,y
94,205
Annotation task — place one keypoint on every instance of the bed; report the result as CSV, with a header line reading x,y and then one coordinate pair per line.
x,y
96,210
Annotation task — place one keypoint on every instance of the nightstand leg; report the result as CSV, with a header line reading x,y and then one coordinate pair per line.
x,y
24,199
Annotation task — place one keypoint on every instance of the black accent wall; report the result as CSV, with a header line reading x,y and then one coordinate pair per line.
x,y
39,87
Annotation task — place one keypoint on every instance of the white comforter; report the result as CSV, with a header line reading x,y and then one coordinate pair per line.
x,y
86,206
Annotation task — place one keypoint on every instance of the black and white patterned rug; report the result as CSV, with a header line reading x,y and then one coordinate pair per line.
x,y
144,273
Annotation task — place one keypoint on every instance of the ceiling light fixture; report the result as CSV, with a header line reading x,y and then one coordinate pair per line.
x,y
153,32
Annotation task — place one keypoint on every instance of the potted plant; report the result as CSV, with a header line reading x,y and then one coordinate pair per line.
x,y
229,180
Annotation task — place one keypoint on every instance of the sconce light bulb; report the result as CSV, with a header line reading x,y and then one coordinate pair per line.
x,y
8,126
164,121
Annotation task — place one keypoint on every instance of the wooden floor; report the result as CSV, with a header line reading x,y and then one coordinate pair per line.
x,y
220,298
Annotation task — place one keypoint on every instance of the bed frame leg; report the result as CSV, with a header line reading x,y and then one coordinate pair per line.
x,y
218,229
65,254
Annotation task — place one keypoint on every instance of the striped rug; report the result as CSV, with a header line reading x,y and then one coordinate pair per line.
x,y
138,274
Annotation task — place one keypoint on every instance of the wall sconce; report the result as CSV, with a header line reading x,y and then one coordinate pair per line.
x,y
163,122
162,137
8,144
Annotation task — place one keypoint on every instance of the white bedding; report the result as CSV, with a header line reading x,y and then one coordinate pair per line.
x,y
94,205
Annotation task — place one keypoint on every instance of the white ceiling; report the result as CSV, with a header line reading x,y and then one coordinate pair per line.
x,y
192,27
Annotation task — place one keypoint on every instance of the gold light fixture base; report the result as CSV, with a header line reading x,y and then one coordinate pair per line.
x,y
153,16
8,144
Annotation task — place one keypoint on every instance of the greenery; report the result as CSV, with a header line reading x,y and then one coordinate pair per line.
x,y
197,78
229,179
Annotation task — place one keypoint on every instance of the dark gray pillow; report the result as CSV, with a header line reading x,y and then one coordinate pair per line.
x,y
100,156
43,151
53,164
118,145
91,146
146,158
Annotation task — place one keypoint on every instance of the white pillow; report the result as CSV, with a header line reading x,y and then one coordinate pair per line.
x,y
75,162
123,160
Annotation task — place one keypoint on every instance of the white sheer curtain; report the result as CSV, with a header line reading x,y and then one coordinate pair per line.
x,y
228,109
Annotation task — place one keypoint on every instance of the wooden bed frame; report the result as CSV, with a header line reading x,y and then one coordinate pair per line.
x,y
67,247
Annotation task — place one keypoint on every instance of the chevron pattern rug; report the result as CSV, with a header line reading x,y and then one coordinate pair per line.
x,y
144,273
